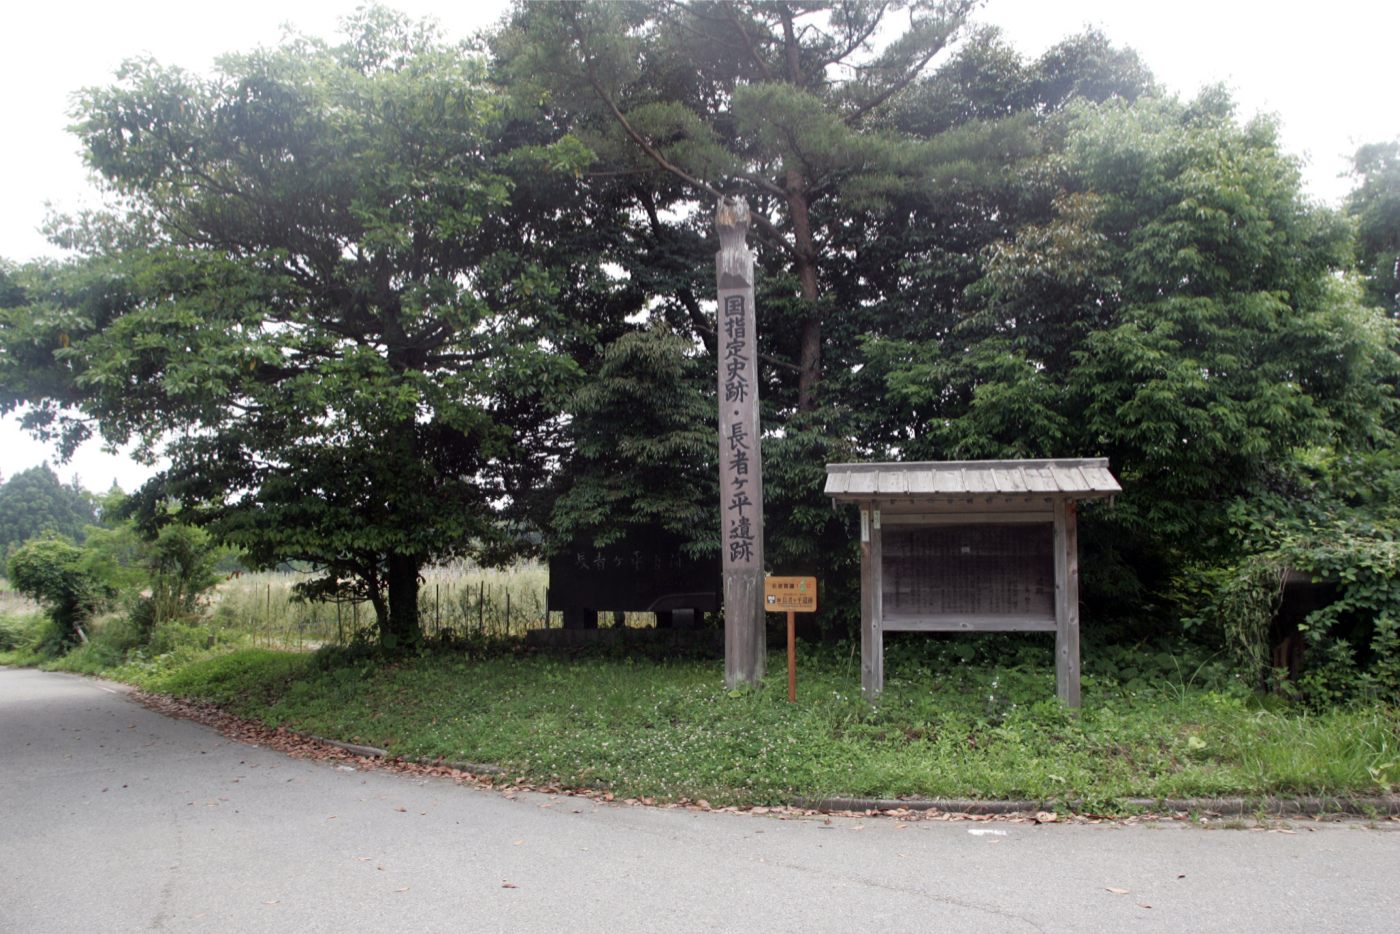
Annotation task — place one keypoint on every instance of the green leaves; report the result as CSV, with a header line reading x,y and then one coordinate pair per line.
x,y
644,449
1173,307
51,571
327,324
34,503
1375,207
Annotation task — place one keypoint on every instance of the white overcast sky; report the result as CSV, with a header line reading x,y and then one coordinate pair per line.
x,y
1328,71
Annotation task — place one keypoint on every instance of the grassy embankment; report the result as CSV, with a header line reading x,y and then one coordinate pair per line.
x,y
965,717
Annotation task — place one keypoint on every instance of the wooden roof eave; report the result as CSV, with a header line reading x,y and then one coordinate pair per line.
x,y
971,484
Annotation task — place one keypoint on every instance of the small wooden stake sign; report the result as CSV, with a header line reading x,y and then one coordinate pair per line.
x,y
792,595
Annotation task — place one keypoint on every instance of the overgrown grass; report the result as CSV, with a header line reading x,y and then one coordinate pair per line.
x,y
17,638
13,603
967,716
458,598
943,728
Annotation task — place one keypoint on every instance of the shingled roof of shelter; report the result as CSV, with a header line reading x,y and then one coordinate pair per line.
x,y
1072,478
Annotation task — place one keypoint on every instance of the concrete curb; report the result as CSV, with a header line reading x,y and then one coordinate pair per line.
x,y
1273,806
374,752
369,752
1303,806
475,768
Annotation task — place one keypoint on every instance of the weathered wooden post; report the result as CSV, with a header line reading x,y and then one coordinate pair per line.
x,y
1066,545
740,470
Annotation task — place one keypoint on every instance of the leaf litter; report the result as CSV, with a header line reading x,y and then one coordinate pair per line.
x,y
302,746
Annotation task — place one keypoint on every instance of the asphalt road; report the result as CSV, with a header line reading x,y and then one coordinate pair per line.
x,y
113,818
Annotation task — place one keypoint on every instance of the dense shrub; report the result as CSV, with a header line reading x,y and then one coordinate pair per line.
x,y
14,632
52,572
1341,529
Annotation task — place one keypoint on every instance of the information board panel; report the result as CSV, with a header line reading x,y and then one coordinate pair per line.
x,y
798,594
969,570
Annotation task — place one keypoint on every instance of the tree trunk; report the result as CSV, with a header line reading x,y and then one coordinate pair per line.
x,y
381,610
809,361
402,628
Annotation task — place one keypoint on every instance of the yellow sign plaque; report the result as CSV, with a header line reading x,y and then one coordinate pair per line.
x,y
796,594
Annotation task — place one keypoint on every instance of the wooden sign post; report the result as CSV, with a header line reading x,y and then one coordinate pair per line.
x,y
793,595
740,463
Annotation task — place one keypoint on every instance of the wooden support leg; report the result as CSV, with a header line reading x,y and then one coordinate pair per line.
x,y
872,642
1066,603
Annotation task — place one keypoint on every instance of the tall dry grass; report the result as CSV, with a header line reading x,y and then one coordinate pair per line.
x,y
13,603
459,599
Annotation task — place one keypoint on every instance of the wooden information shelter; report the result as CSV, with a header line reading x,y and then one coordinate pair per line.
x,y
970,546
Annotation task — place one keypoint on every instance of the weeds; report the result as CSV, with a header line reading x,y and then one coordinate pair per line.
x,y
960,717
457,600
669,730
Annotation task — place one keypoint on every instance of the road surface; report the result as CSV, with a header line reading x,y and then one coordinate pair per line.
x,y
114,818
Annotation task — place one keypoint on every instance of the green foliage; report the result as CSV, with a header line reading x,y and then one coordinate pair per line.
x,y
109,642
1154,724
644,450
17,631
314,301
796,109
114,552
1353,641
34,503
1336,525
51,571
804,534
161,580
993,257
180,568
38,640
1243,601
385,304
1175,309
1356,638
1375,205
246,676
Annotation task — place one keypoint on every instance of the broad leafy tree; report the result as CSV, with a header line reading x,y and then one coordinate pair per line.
x,y
35,502
51,571
644,457
880,161
1375,204
1174,308
309,299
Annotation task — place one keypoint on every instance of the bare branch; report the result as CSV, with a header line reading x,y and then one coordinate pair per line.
x,y
748,42
861,39
908,78
642,142
759,181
